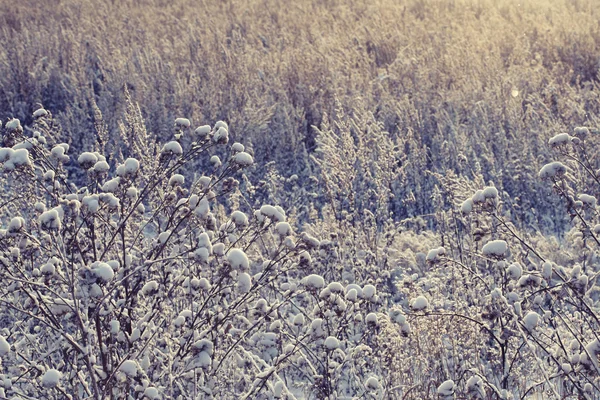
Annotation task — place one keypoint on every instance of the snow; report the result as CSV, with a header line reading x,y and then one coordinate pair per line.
x,y
182,122
588,200
238,259
111,185
313,281
467,206
244,282
103,272
514,271
237,147
581,132
176,180
13,125
283,229
420,303
305,258
221,124
131,166
552,170
331,343
101,167
243,159
51,378
490,192
50,219
371,318
495,248
478,197
372,383
434,254
239,218
20,158
87,160
215,161
129,368
7,152
151,393
4,346
150,288
369,291
16,223
115,326
202,131
221,136
40,112
560,139
172,147
446,388
272,212
531,320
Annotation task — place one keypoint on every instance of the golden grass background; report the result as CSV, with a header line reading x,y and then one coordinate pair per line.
x,y
478,80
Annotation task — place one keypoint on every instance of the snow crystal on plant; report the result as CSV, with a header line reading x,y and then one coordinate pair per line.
x,y
6,153
164,236
129,368
283,229
13,125
369,291
531,320
87,160
560,139
20,158
221,124
514,271
4,346
490,192
272,212
244,282
131,166
420,303
50,219
371,318
372,383
111,185
103,271
172,147
183,122
40,112
221,136
467,206
588,200
101,167
115,326
552,170
202,131
244,159
434,254
238,259
176,180
51,378
151,393
313,281
237,147
331,343
150,288
478,197
239,218
495,248
446,388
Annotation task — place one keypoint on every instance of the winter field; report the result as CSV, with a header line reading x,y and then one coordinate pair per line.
x,y
310,199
